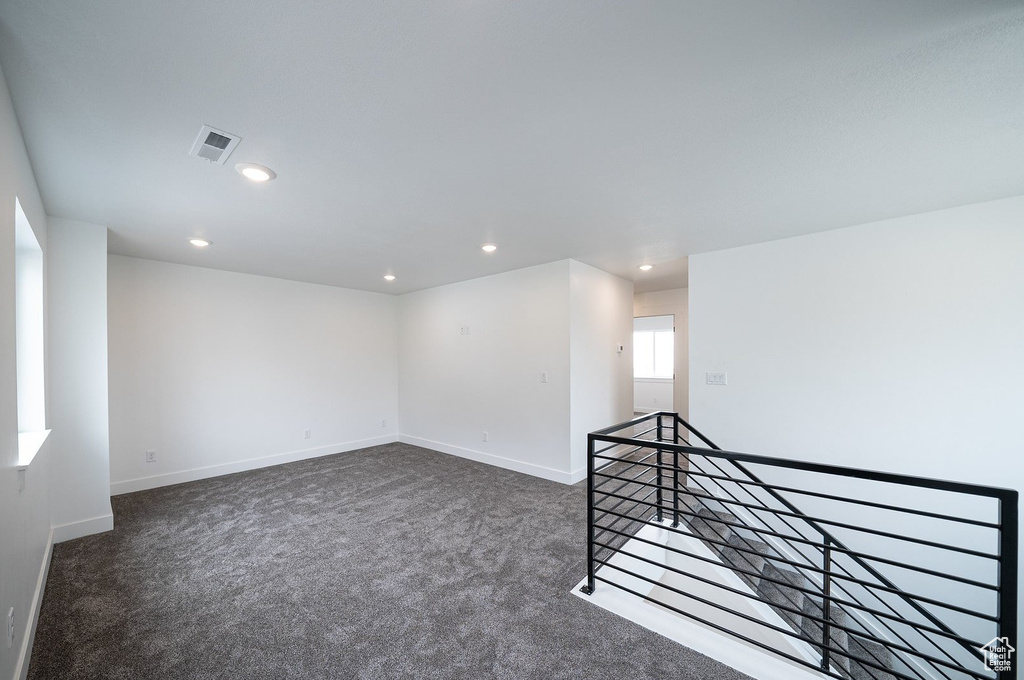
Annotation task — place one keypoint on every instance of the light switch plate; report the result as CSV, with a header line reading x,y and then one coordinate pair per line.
x,y
717,378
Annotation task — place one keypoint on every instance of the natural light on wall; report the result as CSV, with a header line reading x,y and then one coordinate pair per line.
x,y
29,324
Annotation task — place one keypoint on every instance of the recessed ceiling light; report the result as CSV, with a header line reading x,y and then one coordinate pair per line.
x,y
199,242
488,247
646,267
389,277
257,173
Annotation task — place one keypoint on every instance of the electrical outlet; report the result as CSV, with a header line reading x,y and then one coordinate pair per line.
x,y
485,435
151,456
463,330
10,627
544,376
306,434
383,422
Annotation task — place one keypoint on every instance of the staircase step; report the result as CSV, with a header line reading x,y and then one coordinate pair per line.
x,y
710,525
860,648
734,556
814,630
787,596
694,499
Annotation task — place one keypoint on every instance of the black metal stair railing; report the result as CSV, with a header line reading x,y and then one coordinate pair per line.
x,y
873,588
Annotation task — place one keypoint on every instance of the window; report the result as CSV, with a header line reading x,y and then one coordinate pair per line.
x,y
653,348
28,291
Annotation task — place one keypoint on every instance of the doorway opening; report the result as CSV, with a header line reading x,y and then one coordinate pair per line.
x,y
653,363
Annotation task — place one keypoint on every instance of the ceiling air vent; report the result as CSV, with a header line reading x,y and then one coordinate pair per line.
x,y
214,145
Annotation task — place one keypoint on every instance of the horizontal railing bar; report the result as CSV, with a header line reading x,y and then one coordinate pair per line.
x,y
740,570
854,603
764,624
609,448
637,435
834,548
749,551
618,459
792,610
603,513
868,585
602,528
620,488
857,501
629,463
842,525
834,470
618,517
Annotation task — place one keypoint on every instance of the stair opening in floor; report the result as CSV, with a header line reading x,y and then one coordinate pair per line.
x,y
873,575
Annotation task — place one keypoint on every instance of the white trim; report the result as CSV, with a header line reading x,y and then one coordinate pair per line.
x,y
143,483
658,381
25,653
577,475
497,461
85,527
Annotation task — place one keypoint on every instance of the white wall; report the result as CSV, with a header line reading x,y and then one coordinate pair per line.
x,y
601,385
455,386
895,346
25,513
80,442
652,394
218,372
675,302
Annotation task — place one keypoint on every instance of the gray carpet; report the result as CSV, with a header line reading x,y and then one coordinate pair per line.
x,y
390,562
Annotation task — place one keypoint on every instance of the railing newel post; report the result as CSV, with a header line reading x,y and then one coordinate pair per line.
x,y
660,475
675,472
1008,564
826,605
591,461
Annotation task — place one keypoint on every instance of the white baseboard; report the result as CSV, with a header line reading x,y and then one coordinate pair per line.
x,y
85,527
577,475
25,653
143,483
491,459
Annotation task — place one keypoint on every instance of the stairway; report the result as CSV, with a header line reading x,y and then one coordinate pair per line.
x,y
765,561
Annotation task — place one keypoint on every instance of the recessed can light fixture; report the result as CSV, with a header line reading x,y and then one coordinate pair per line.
x,y
256,173
389,277
646,267
488,247
199,242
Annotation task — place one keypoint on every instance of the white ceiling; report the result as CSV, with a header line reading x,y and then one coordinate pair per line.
x,y
405,134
